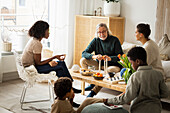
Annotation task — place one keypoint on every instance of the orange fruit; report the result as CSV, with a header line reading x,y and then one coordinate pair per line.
x,y
97,73
100,75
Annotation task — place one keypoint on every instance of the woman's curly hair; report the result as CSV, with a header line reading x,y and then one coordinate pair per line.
x,y
62,86
38,29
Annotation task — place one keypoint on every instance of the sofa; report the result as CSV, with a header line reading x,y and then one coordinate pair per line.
x,y
164,48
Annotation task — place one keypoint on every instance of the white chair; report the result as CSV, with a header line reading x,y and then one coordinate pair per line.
x,y
31,76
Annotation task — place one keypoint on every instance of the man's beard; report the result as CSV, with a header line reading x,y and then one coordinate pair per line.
x,y
103,37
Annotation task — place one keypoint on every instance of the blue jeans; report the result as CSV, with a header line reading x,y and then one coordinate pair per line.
x,y
61,69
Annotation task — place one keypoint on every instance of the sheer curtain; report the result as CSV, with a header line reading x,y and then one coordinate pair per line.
x,y
61,19
0,60
162,25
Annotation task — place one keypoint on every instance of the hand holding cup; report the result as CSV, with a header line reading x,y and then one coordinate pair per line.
x,y
61,57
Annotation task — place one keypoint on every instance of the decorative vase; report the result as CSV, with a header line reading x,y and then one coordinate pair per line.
x,y
19,40
6,46
112,9
126,75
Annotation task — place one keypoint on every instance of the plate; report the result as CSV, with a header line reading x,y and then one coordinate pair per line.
x,y
86,72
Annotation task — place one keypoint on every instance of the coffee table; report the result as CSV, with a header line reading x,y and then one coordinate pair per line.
x,y
91,80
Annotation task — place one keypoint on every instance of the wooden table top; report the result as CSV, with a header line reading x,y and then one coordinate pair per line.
x,y
91,80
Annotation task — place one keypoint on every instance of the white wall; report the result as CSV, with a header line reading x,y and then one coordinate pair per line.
x,y
8,64
135,12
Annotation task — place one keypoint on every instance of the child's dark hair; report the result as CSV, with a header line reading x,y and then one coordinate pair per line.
x,y
62,86
144,29
137,53
38,29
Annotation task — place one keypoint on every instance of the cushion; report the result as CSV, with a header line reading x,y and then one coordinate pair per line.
x,y
164,46
164,56
166,65
99,108
40,77
31,70
126,46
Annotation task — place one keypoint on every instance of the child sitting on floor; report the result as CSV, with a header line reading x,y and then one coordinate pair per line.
x,y
65,94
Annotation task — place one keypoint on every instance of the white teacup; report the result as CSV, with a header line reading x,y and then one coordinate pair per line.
x,y
63,57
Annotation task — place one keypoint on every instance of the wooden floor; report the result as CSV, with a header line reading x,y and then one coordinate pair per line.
x,y
10,92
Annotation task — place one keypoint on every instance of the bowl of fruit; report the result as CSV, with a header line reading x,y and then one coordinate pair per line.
x,y
98,76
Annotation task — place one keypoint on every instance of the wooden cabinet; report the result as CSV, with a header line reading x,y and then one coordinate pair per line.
x,y
85,27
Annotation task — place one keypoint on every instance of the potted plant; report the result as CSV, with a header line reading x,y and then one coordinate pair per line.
x,y
112,8
127,65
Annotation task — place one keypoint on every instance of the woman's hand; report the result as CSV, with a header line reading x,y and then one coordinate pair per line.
x,y
53,63
60,57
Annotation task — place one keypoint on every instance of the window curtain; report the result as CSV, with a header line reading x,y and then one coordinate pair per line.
x,y
61,19
162,25
0,59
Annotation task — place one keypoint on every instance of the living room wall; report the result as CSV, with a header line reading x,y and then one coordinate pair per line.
x,y
136,11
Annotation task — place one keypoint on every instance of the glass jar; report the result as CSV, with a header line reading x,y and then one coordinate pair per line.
x,y
88,7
